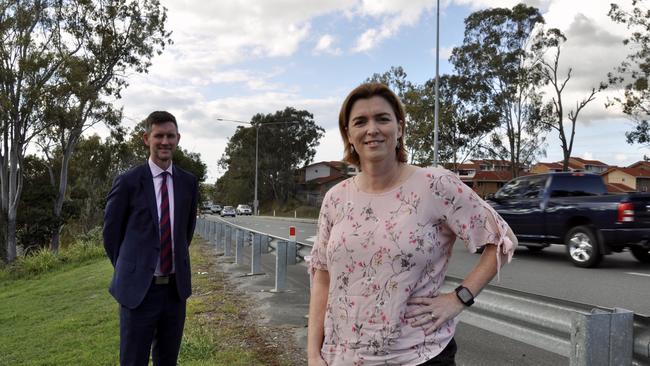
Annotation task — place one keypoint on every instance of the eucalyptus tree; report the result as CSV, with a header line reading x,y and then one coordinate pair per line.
x,y
287,142
29,57
552,40
633,73
496,70
111,38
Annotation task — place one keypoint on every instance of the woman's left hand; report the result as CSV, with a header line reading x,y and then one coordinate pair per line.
x,y
431,312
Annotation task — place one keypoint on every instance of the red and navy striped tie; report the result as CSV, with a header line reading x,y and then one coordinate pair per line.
x,y
165,229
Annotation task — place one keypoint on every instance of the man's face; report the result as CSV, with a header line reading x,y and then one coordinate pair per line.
x,y
162,141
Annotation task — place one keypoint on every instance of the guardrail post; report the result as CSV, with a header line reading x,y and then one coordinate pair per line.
x,y
239,247
220,236
211,229
256,254
229,241
291,252
280,266
199,226
602,338
266,248
226,239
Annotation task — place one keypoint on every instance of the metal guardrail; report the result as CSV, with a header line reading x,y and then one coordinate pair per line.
x,y
587,335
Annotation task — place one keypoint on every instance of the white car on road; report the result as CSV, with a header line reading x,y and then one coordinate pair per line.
x,y
244,210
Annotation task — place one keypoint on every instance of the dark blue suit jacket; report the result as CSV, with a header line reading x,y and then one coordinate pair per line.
x,y
132,236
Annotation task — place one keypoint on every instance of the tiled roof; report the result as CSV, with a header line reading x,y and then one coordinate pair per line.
x,y
641,164
551,165
589,162
618,188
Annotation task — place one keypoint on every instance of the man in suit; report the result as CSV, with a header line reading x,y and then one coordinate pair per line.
x,y
148,225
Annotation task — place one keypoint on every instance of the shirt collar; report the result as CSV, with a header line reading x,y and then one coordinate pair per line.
x,y
156,170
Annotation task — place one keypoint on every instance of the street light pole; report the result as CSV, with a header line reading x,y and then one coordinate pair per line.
x,y
256,203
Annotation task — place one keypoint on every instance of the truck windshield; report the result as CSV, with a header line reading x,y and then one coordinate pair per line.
x,y
527,187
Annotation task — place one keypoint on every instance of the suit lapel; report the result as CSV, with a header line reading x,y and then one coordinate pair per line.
x,y
150,193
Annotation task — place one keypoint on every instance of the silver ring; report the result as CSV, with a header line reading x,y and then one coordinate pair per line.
x,y
433,316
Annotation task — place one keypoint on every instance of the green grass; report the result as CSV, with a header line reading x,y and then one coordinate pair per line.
x,y
62,314
62,318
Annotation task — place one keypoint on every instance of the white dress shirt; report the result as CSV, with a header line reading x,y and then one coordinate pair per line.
x,y
156,172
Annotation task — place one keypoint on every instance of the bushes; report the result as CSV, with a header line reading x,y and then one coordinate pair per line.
x,y
86,247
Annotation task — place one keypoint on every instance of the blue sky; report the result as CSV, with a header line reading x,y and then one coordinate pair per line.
x,y
233,59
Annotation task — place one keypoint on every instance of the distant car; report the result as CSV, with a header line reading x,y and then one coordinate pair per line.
x,y
215,209
244,210
228,211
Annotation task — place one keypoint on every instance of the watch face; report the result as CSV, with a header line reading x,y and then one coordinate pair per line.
x,y
464,295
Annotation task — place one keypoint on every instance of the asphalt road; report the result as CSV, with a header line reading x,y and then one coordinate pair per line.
x,y
620,280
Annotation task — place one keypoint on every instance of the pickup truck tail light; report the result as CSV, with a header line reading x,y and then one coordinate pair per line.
x,y
625,212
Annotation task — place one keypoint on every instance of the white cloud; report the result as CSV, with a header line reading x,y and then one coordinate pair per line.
x,y
621,158
588,155
444,53
393,15
326,45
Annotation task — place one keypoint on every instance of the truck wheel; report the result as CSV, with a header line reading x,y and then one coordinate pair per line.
x,y
582,247
641,254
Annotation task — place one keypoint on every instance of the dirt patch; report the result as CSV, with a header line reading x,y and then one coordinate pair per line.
x,y
221,305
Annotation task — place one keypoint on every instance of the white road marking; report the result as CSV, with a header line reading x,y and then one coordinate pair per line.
x,y
311,239
638,274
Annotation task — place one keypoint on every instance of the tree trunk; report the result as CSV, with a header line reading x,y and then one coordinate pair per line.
x,y
63,185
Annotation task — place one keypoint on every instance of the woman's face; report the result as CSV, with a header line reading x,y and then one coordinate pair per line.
x,y
373,129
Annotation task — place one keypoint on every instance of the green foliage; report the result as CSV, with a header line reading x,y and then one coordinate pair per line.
x,y
41,261
496,72
287,141
633,73
36,222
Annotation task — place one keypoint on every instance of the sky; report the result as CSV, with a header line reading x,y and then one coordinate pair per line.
x,y
232,59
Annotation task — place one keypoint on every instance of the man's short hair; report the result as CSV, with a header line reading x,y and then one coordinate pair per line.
x,y
159,117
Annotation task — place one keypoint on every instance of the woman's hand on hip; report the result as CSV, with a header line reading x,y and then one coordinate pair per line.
x,y
431,312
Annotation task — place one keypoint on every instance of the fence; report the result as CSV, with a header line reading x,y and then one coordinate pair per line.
x,y
587,335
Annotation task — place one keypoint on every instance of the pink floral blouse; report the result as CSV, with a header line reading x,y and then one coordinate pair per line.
x,y
382,249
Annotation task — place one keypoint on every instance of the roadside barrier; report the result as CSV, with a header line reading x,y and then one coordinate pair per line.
x,y
587,335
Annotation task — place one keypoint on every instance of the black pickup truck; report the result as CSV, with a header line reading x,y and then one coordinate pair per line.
x,y
574,209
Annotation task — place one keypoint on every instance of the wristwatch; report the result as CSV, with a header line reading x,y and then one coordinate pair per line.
x,y
464,295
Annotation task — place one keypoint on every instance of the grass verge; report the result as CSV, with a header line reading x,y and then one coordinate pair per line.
x,y
65,316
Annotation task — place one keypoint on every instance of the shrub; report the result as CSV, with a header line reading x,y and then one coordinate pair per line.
x,y
87,247
39,261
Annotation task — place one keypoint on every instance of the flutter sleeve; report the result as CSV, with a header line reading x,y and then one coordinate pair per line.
x,y
318,258
471,218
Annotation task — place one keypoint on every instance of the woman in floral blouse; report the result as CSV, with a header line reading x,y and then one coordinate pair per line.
x,y
384,242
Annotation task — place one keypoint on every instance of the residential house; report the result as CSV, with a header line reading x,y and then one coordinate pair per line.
x,y
587,166
316,179
484,176
542,168
575,165
641,165
631,179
